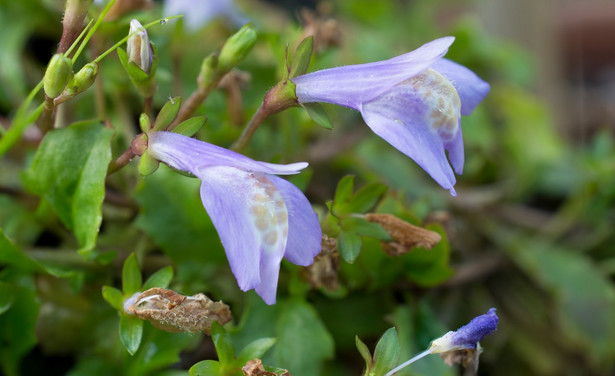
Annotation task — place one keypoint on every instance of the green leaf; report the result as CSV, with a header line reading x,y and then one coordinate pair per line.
x,y
365,354
317,113
303,340
131,275
349,245
7,296
131,332
191,126
361,226
167,114
365,198
160,278
223,343
343,193
255,349
114,297
69,171
429,267
301,57
205,368
386,356
11,255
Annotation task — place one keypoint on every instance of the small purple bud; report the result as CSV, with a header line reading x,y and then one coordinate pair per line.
x,y
468,335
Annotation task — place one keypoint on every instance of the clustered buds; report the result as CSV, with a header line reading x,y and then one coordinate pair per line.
x,y
236,48
57,75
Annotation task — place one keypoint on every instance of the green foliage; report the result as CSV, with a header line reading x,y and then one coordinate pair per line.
x,y
69,172
386,355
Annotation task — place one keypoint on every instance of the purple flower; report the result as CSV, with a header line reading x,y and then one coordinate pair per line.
x,y
198,13
468,335
260,217
413,101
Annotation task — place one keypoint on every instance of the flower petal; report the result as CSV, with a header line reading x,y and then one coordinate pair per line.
x,y
191,155
468,336
471,89
251,218
455,151
401,117
304,233
355,84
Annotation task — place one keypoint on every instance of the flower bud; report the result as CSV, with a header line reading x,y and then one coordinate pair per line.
x,y
209,71
82,79
57,75
138,47
236,48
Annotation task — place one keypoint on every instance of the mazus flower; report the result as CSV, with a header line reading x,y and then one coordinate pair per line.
x,y
198,13
461,345
413,101
260,217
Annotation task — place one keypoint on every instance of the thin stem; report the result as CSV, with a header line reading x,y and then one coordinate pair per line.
x,y
258,118
405,364
93,30
121,161
72,46
147,106
192,104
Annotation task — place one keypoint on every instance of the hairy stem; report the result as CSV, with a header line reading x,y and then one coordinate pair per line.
x,y
261,114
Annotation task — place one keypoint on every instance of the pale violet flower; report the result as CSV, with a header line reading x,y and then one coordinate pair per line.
x,y
413,101
260,217
198,13
461,345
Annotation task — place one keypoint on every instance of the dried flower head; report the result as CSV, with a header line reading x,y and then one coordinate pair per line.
x,y
255,368
323,272
405,236
172,312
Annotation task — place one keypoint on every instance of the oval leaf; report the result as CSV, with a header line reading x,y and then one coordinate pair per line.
x,y
205,368
191,126
318,114
387,353
131,275
349,245
255,349
167,114
223,343
131,332
161,278
114,297
301,57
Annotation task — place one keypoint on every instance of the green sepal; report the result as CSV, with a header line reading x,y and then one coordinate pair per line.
x,y
223,343
131,275
148,164
114,297
144,123
167,114
317,113
349,245
301,58
144,82
191,126
205,368
161,278
365,354
386,355
131,332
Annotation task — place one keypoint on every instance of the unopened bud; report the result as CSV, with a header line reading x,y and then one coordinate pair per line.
x,y
209,71
57,75
144,123
82,79
236,48
138,47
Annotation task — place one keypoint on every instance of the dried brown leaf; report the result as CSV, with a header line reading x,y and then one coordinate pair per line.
x,y
255,368
323,271
405,235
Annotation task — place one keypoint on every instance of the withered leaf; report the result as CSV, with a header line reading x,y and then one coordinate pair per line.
x,y
173,312
255,368
405,235
323,272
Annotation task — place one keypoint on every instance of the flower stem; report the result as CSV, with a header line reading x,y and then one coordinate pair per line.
x,y
121,161
192,103
260,115
405,364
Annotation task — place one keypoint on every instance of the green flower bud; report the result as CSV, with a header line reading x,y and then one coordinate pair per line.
x,y
236,48
57,75
138,47
209,71
82,79
144,123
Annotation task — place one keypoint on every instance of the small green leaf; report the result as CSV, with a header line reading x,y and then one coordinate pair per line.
x,y
349,245
318,114
167,114
148,164
69,172
365,354
11,255
205,368
301,57
361,226
387,353
160,278
191,126
365,198
131,332
255,349
7,295
114,297
223,343
131,275
121,53
344,190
